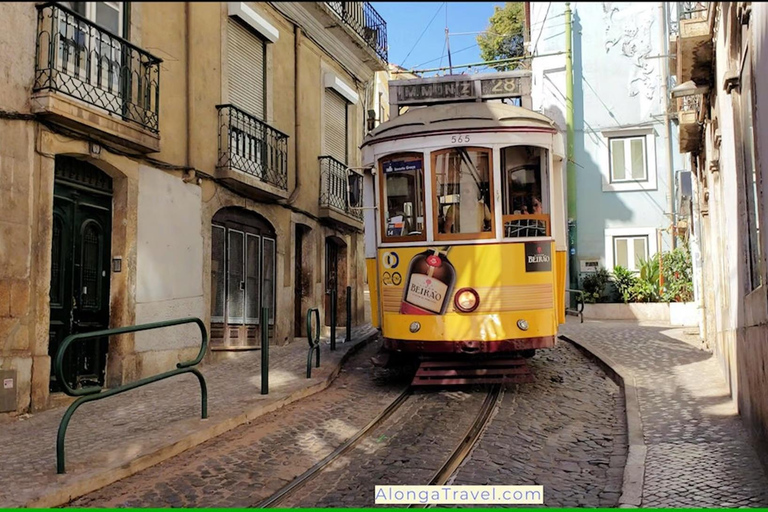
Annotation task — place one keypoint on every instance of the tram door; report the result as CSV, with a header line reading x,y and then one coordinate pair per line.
x,y
80,276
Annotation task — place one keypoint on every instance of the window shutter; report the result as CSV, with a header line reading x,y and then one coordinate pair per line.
x,y
335,143
246,60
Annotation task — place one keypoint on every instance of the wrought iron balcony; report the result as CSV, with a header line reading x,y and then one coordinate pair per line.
x,y
363,19
340,188
251,146
76,57
685,11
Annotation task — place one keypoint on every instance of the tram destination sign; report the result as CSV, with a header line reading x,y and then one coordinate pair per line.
x,y
446,89
419,93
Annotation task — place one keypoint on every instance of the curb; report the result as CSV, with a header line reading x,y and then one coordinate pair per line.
x,y
74,490
634,469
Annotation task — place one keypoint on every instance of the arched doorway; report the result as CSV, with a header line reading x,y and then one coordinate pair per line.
x,y
336,278
243,271
80,270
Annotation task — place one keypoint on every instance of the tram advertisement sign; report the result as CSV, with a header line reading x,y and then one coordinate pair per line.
x,y
538,257
401,166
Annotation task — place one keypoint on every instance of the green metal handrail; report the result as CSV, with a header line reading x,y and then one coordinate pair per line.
x,y
579,311
313,340
91,393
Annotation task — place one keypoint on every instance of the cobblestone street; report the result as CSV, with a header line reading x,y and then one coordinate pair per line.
x,y
249,463
564,431
698,451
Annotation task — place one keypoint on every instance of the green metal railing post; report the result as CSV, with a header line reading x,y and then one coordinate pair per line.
x,y
264,351
91,393
313,338
349,314
333,320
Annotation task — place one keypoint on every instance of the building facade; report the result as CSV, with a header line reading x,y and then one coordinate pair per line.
x,y
623,140
166,160
720,51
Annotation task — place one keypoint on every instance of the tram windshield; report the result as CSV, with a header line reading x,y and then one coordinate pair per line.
x,y
525,192
463,201
403,192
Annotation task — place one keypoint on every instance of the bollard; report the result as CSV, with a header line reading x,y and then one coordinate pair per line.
x,y
314,341
264,351
333,320
349,314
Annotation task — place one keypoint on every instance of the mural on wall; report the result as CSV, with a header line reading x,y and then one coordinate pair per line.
x,y
629,31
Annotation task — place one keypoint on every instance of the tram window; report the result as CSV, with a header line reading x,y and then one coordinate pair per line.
x,y
463,192
524,190
403,190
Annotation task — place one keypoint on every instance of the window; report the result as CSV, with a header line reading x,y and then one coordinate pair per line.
x,y
336,136
630,251
750,175
403,197
462,188
525,192
247,71
627,159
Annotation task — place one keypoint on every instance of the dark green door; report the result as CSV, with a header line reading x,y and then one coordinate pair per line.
x,y
80,256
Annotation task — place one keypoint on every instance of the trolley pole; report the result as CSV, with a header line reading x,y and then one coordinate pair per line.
x,y
570,164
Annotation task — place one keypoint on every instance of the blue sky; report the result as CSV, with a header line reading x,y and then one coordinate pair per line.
x,y
407,20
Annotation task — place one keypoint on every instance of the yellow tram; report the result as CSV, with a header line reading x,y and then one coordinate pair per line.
x,y
465,224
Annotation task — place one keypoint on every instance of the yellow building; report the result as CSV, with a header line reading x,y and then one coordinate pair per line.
x,y
164,160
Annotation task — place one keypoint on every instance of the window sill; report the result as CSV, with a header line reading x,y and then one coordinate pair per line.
x,y
628,186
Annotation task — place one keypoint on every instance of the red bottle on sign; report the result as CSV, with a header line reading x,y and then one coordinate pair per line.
x,y
429,283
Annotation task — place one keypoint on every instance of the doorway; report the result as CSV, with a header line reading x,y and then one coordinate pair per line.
x,y
243,271
302,281
80,271
335,278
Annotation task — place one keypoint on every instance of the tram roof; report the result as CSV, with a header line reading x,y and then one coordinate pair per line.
x,y
458,116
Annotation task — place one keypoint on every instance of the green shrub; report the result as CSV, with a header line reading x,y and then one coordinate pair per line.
x,y
677,271
624,280
646,288
593,286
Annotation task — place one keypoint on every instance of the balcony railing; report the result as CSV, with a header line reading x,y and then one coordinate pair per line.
x,y
685,11
335,179
366,22
251,146
76,57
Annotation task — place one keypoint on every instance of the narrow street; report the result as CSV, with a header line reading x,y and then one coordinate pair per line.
x,y
564,432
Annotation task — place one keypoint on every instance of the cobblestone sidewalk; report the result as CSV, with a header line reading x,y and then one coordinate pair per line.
x,y
698,450
116,437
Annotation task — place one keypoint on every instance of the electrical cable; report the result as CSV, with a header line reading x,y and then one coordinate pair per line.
x,y
424,32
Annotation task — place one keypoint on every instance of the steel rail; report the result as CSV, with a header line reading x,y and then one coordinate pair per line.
x,y
468,442
312,472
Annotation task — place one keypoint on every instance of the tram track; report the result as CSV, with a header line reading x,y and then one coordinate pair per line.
x,y
446,470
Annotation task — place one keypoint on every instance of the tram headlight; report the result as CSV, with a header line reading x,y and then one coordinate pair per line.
x,y
522,324
466,300
415,326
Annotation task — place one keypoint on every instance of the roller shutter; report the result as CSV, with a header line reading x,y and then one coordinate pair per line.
x,y
246,59
335,143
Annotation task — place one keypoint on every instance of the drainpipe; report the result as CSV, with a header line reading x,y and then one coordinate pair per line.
x,y
296,113
667,136
187,44
570,166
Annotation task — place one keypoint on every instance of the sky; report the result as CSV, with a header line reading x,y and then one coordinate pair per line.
x,y
406,21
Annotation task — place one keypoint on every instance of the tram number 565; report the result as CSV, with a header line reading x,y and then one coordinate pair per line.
x,y
458,139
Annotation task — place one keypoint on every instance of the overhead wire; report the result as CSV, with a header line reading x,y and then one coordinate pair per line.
x,y
546,14
423,32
